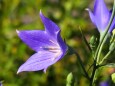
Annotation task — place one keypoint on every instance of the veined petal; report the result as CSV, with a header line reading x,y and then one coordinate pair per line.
x,y
101,13
50,26
40,61
61,43
112,25
36,39
48,44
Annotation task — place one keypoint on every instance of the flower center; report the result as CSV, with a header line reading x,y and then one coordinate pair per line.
x,y
52,49
55,50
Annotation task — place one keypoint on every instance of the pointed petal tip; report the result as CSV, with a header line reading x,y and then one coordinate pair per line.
x,y
40,11
44,70
87,9
17,31
41,14
18,72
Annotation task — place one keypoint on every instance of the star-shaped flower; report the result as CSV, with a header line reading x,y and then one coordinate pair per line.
x,y
48,45
101,16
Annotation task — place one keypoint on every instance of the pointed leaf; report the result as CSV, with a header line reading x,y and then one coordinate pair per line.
x,y
85,40
110,65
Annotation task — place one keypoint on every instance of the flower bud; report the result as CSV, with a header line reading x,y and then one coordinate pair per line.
x,y
70,80
92,42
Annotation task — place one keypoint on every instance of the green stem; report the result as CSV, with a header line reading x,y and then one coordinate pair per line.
x,y
106,56
72,51
104,37
101,47
81,63
113,38
85,40
92,79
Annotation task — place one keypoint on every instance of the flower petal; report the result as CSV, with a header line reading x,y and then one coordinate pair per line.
x,y
39,61
36,39
50,26
102,14
92,17
62,44
112,25
104,84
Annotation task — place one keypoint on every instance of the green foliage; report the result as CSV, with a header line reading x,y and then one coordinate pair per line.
x,y
110,65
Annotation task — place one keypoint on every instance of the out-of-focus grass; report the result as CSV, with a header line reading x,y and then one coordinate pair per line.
x,y
24,15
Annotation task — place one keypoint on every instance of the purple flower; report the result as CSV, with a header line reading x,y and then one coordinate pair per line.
x,y
101,16
0,83
48,45
104,84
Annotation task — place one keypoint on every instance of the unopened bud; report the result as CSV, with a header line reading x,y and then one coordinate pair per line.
x,y
92,42
70,80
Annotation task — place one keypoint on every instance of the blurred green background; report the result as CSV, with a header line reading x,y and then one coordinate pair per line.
x,y
24,15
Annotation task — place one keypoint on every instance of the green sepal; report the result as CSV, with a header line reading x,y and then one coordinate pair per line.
x,y
70,50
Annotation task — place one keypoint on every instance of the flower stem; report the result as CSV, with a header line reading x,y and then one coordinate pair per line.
x,y
104,37
93,74
81,63
106,56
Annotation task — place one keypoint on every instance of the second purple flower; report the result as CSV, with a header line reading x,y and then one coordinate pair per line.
x,y
101,16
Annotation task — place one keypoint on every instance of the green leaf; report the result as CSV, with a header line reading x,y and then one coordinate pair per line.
x,y
113,77
110,65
